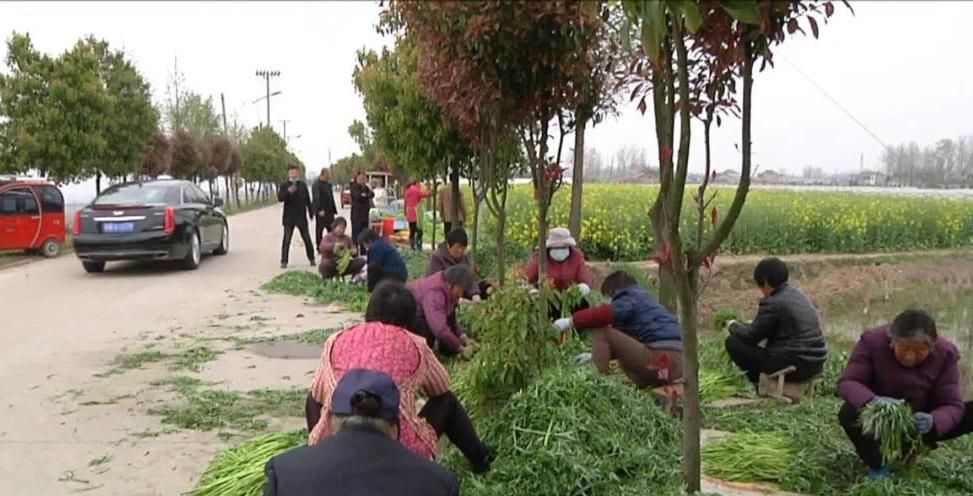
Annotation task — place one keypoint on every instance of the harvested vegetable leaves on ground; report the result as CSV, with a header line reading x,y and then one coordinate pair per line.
x,y
715,385
303,283
749,457
892,426
239,470
575,432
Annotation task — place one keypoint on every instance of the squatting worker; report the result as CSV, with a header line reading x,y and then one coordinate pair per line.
x,y
297,209
635,329
566,267
908,362
453,252
334,246
438,296
361,203
384,344
362,454
789,323
384,260
324,207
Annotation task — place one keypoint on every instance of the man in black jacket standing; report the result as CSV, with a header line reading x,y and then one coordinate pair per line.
x,y
297,209
324,208
363,457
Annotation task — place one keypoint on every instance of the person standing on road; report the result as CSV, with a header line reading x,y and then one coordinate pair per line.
x,y
297,209
414,194
361,203
324,207
446,209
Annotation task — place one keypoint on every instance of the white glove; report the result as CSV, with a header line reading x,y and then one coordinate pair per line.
x,y
729,324
534,291
562,325
476,298
585,289
581,359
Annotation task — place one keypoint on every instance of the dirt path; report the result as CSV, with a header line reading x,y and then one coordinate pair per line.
x,y
65,430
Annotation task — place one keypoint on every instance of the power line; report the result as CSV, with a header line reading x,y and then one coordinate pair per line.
x,y
834,101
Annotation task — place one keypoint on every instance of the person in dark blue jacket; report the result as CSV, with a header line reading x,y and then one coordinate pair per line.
x,y
635,329
384,261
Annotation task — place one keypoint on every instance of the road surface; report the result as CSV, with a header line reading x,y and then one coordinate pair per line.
x,y
60,326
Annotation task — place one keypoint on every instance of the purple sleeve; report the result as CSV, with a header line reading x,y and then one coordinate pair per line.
x,y
853,385
948,397
435,265
434,309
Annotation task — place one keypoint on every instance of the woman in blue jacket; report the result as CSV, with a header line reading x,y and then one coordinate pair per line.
x,y
635,329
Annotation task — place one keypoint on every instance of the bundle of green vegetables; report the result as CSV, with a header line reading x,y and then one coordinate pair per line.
x,y
749,457
714,385
239,471
893,427
303,283
575,432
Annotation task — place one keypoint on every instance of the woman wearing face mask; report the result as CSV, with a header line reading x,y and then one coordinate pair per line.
x,y
565,266
904,362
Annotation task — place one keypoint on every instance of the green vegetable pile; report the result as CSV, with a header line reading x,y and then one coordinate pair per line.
x,y
239,471
575,432
714,385
725,315
303,283
893,427
749,457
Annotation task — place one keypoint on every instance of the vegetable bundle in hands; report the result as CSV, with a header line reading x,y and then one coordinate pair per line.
x,y
891,424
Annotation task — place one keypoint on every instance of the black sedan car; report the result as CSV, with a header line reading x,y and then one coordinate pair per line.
x,y
152,220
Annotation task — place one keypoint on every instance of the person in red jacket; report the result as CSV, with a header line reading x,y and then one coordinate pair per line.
x,y
414,194
904,362
566,267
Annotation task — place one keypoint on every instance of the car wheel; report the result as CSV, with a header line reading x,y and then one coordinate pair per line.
x,y
224,242
93,267
51,248
191,262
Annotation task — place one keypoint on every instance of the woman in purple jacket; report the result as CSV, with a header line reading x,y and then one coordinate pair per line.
x,y
904,362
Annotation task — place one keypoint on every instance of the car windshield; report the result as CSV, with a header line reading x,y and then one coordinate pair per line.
x,y
135,194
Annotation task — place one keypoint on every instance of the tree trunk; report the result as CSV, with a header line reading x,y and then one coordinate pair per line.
x,y
687,284
435,210
97,183
455,207
577,175
236,190
226,181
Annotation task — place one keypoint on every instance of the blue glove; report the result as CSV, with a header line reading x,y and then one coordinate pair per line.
x,y
923,422
562,325
885,400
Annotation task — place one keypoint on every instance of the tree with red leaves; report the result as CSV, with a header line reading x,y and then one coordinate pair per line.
x,y
158,157
694,54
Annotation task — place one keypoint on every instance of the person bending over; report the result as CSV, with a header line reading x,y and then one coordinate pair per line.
x,y
383,343
635,329
384,261
904,362
788,322
438,296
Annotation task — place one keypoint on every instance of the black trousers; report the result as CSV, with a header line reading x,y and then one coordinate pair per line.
x,y
754,360
868,449
321,224
421,328
356,229
415,236
444,413
448,226
377,274
285,247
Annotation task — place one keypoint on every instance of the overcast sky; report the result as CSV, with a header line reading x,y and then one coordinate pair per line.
x,y
902,68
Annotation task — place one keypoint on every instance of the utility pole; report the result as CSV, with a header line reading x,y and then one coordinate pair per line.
x,y
266,74
223,104
284,122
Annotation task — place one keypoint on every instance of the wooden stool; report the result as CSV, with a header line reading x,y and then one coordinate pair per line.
x,y
775,386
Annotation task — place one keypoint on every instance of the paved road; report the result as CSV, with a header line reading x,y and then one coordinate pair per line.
x,y
59,325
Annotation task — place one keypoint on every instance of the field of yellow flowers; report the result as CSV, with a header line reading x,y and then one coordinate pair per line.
x,y
616,226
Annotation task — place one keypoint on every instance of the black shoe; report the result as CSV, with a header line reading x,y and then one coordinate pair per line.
x,y
283,265
482,466
313,264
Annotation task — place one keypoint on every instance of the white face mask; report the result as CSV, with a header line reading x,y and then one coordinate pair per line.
x,y
559,254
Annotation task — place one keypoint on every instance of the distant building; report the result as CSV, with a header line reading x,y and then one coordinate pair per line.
x,y
869,178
